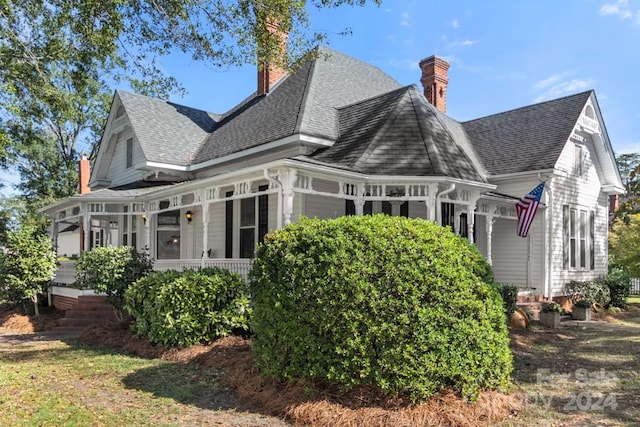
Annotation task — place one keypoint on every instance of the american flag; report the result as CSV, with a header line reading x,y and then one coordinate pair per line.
x,y
526,209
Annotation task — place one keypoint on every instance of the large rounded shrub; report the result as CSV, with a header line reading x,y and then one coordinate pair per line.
x,y
386,302
190,307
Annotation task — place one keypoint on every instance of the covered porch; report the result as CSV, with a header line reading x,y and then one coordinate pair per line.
x,y
219,220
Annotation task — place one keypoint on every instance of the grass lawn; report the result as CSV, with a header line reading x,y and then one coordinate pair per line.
x,y
633,299
65,384
578,375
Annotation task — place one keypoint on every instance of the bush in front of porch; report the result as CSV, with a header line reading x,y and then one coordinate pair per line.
x,y
397,305
110,270
190,307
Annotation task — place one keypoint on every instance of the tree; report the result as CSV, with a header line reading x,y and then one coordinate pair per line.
x,y
624,241
629,167
27,265
59,58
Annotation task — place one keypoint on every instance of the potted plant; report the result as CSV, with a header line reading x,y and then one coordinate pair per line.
x,y
582,309
550,315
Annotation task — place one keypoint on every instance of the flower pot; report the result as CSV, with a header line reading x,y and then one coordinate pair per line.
x,y
550,319
581,313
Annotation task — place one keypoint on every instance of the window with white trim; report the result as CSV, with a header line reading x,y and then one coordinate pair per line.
x,y
579,238
129,153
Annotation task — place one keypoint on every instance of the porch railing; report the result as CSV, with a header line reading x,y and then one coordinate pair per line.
x,y
66,273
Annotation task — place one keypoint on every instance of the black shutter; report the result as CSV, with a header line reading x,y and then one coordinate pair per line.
x,y
566,237
404,209
349,207
263,213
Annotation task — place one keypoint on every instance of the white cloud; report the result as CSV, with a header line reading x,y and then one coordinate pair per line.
x,y
620,8
463,43
553,88
455,23
405,19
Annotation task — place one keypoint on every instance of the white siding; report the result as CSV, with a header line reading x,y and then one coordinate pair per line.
x,y
417,210
118,173
324,207
581,192
217,229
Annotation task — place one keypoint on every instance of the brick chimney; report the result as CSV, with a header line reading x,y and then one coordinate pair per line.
x,y
435,79
270,73
84,173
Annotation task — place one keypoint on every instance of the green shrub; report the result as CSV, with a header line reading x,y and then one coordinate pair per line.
x,y
27,265
190,307
590,290
392,303
111,271
552,307
619,285
509,294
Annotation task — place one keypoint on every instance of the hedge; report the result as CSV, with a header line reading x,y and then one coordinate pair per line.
x,y
396,304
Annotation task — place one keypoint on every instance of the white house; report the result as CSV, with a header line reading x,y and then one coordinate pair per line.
x,y
338,136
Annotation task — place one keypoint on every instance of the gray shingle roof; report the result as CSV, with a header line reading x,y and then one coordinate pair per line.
x,y
398,133
304,102
526,139
167,132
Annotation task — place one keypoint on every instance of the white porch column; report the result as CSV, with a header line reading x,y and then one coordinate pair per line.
x,y
359,201
471,217
86,227
205,231
431,202
54,234
287,179
147,229
489,229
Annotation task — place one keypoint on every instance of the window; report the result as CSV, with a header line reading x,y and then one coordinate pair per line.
x,y
578,167
254,223
579,238
447,212
369,208
168,235
129,153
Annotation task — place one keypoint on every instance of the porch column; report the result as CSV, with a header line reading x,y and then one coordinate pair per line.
x,y
147,230
431,202
489,230
86,228
205,231
287,178
359,201
54,234
471,217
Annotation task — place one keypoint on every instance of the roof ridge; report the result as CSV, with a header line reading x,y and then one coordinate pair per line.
x,y
166,101
537,104
305,98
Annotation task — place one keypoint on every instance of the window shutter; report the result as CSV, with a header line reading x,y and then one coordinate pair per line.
x,y
565,239
263,213
228,222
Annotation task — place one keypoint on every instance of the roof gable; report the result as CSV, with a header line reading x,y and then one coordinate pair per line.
x,y
526,139
167,132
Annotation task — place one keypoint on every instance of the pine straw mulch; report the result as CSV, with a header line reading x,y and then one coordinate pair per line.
x,y
315,405
21,323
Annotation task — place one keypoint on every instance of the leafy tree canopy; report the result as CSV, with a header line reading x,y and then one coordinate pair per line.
x,y
629,167
58,60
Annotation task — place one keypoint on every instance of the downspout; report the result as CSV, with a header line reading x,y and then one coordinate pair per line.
x,y
439,199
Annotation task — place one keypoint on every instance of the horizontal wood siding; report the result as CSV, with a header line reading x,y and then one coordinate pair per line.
x,y
118,173
217,229
417,210
580,192
323,207
481,234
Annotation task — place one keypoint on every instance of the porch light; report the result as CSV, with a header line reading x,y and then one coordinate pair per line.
x,y
189,216
144,217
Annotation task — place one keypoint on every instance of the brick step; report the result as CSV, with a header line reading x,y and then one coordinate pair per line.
x,y
532,308
90,314
92,298
83,323
88,306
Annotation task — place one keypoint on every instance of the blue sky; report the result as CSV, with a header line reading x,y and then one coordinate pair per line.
x,y
504,54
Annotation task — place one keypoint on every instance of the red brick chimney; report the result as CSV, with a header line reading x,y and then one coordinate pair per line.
x,y
435,79
84,173
270,73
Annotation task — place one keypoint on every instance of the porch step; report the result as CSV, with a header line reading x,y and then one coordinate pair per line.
x,y
532,308
88,310
84,323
